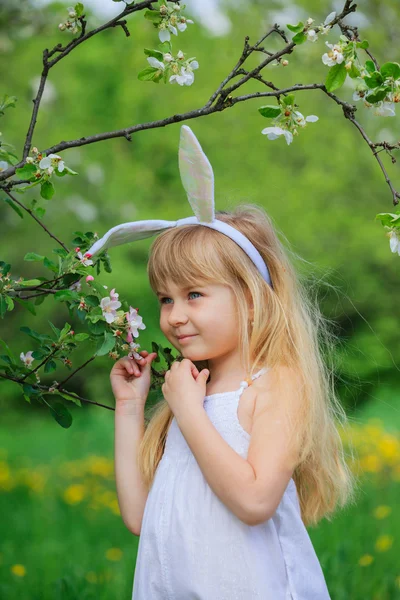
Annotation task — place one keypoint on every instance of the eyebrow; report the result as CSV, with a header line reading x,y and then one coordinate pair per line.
x,y
185,289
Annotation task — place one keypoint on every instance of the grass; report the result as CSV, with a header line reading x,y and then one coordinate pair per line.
x,y
62,536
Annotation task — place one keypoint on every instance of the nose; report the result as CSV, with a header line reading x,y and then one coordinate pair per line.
x,y
176,316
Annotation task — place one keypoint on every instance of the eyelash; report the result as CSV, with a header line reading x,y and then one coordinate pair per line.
x,y
165,297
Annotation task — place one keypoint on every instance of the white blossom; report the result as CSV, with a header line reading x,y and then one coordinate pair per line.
x,y
27,358
273,133
183,25
186,75
85,261
394,242
109,308
52,160
155,63
312,35
3,165
385,109
134,321
359,95
334,57
330,18
301,121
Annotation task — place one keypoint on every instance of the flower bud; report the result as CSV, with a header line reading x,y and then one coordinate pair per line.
x,y
167,57
284,62
310,20
89,278
35,150
62,26
176,7
77,249
29,160
348,65
72,14
163,10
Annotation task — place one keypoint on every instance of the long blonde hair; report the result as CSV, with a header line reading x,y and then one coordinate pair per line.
x,y
292,335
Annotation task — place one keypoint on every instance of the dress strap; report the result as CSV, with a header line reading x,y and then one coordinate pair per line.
x,y
244,384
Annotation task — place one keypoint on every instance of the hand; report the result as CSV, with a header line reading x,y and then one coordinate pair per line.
x,y
131,378
184,386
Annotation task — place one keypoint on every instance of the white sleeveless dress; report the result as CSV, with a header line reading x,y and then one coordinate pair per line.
x,y
192,547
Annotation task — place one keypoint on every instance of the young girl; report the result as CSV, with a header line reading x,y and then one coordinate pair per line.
x,y
243,450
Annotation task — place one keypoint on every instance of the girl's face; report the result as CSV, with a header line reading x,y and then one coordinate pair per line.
x,y
207,313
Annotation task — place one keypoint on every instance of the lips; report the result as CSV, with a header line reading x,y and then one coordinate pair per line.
x,y
187,335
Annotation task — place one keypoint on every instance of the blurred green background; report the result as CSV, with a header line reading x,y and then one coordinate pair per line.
x,y
61,535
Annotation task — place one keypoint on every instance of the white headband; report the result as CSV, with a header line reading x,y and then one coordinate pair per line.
x,y
198,180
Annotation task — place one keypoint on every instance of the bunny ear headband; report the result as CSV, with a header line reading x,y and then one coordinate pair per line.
x,y
198,180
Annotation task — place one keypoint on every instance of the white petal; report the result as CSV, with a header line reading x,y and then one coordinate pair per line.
x,y
181,26
288,136
164,35
61,166
45,162
194,64
173,29
330,18
154,62
394,242
311,118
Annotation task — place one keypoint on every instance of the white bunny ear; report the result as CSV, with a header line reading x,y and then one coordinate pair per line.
x,y
129,232
197,175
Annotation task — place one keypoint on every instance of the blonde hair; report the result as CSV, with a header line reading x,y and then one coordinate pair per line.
x,y
291,336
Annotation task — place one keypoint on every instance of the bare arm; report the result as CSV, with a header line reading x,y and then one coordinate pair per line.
x,y
131,490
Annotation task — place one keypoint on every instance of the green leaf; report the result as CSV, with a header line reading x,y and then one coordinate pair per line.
x,y
10,303
50,366
7,349
269,111
61,414
336,77
33,256
79,8
29,282
106,345
81,337
299,38
65,329
14,206
387,218
47,190
147,74
92,300
155,53
390,69
27,171
374,81
296,28
153,15
7,102
155,348
378,95
63,295
288,100
70,398
354,72
364,44
26,304
370,66
49,264
55,329
96,328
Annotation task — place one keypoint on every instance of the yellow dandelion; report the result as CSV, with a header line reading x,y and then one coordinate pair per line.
x,y
382,511
114,554
371,463
365,560
384,543
18,570
91,577
390,448
74,493
99,465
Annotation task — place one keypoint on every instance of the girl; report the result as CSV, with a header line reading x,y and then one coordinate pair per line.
x,y
243,451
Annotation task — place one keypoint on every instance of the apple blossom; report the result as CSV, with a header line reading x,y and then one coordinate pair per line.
x,y
134,321
334,57
273,133
385,109
51,161
109,308
394,241
27,358
312,35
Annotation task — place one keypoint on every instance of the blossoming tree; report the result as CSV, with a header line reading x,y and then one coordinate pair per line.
x,y
111,326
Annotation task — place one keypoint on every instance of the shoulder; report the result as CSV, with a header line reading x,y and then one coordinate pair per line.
x,y
281,386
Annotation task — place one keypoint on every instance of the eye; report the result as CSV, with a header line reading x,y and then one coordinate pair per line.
x,y
162,300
